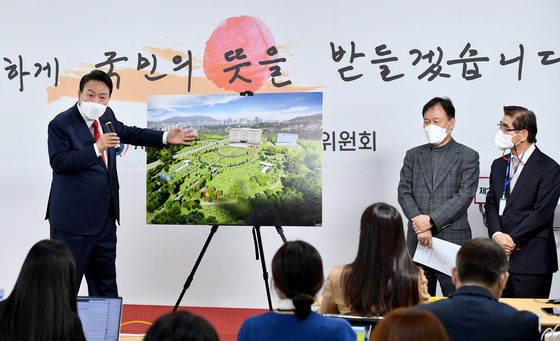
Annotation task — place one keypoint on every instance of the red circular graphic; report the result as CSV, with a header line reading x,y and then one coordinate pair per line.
x,y
231,35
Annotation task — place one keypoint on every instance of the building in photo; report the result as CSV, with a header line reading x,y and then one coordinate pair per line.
x,y
199,132
286,140
245,135
186,164
266,164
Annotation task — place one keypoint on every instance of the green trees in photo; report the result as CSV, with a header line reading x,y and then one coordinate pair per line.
x,y
297,200
241,187
173,216
156,199
270,150
152,154
312,161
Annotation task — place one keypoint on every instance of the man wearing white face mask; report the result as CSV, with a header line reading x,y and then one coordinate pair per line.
x,y
524,191
437,185
83,205
473,311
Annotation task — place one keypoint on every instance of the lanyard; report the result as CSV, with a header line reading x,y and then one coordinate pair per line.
x,y
508,179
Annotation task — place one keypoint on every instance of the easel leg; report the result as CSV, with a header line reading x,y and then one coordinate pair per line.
x,y
258,244
191,276
280,231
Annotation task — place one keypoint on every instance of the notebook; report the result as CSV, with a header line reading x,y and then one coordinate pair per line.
x,y
101,317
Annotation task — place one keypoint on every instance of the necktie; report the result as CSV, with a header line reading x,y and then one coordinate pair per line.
x,y
512,173
97,135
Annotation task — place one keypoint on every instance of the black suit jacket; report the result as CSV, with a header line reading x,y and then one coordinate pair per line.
x,y
529,212
472,313
83,190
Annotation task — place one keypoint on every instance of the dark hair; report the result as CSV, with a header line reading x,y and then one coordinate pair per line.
x,y
181,326
411,325
42,305
297,270
97,75
481,260
523,119
383,276
445,103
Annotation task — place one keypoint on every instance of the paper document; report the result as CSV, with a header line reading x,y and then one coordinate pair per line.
x,y
442,256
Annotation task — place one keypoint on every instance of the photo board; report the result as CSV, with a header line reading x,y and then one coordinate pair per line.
x,y
256,160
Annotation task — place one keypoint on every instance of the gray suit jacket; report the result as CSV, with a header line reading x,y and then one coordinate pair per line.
x,y
446,201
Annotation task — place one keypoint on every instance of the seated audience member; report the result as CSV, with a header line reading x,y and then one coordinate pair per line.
x,y
297,274
43,305
383,276
406,324
181,326
473,311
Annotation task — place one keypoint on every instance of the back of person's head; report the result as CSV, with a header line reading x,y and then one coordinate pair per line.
x,y
523,119
383,276
297,271
181,326
406,324
481,260
381,231
445,103
41,304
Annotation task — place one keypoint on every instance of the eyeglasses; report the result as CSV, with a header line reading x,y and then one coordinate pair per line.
x,y
505,129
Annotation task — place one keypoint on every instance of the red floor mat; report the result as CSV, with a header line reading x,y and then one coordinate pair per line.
x,y
226,321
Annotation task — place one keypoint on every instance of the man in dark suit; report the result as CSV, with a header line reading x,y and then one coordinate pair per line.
x,y
438,183
473,311
524,191
83,205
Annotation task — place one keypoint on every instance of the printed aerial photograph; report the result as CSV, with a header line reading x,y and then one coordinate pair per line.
x,y
256,160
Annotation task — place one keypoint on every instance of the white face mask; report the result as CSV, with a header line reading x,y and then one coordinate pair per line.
x,y
93,110
503,140
436,134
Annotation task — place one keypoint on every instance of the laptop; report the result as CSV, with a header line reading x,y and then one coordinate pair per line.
x,y
361,325
363,332
101,317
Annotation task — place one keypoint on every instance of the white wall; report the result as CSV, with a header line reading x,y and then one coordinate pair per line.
x,y
154,261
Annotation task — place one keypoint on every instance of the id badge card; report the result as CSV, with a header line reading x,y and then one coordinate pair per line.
x,y
502,206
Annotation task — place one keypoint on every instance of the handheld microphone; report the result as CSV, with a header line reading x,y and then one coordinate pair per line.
x,y
107,122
